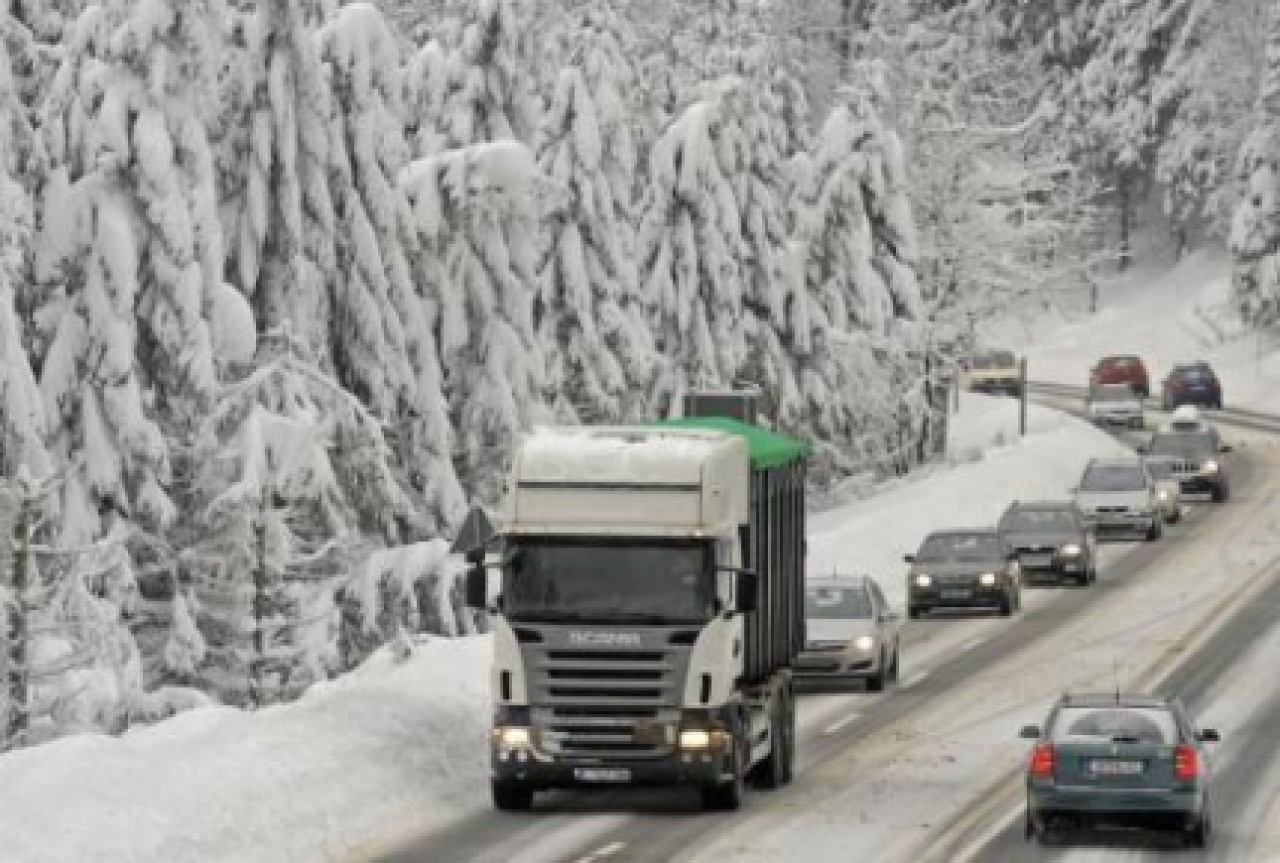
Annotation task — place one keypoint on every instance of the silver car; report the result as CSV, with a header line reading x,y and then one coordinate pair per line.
x,y
1114,404
1118,495
851,633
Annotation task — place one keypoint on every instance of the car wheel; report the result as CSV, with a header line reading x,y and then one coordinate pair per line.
x,y
1220,494
915,612
1198,835
1154,532
1006,605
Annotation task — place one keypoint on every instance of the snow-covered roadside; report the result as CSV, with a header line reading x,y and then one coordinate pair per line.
x,y
402,744
309,781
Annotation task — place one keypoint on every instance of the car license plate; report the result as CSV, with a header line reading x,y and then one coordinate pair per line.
x,y
602,774
1114,767
955,594
1037,560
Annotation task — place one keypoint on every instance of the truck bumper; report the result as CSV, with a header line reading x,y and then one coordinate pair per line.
x,y
679,768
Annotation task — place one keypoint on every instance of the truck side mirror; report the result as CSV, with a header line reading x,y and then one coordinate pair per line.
x,y
747,590
909,558
477,583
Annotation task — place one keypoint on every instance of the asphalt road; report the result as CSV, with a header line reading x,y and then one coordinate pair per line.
x,y
635,825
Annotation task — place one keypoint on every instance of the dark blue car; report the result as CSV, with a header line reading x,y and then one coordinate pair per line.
x,y
1119,760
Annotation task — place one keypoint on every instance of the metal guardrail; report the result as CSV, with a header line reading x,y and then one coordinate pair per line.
x,y
1238,417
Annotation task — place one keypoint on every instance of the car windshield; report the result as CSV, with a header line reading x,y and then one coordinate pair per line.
x,y
1113,477
994,360
1192,446
1114,724
959,547
1038,520
1119,362
616,579
823,603
1194,374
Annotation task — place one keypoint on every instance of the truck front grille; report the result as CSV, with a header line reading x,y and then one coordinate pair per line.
x,y
606,704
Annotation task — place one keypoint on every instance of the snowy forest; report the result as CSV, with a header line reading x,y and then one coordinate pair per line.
x,y
281,282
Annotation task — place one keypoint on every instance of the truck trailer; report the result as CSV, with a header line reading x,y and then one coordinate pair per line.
x,y
648,606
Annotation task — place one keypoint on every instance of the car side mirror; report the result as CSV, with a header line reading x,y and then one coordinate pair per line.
x,y
1030,732
1226,447
1208,735
909,558
747,590
477,583
1140,449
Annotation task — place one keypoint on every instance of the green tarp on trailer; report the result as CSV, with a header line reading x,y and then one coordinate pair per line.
x,y
767,449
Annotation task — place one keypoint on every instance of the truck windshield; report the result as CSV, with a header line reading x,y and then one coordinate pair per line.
x,y
615,579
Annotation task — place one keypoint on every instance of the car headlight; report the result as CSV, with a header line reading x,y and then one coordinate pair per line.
x,y
1071,549
923,580
1209,466
1163,494
987,579
864,643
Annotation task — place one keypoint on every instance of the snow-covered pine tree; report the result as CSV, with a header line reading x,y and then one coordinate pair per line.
x,y
601,358
480,78
22,413
383,325
292,476
1255,232
282,224
141,254
865,381
691,243
475,215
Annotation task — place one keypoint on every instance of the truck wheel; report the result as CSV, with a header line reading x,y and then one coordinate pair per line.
x,y
512,796
771,772
728,796
789,751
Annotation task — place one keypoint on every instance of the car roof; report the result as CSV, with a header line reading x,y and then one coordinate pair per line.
x,y
1114,357
1114,699
963,531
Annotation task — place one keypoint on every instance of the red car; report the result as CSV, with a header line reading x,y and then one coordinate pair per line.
x,y
1122,369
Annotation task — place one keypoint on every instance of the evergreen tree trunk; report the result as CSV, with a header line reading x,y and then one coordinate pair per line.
x,y
257,664
19,709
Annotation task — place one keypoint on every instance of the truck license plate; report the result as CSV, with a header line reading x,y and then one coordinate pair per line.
x,y
602,774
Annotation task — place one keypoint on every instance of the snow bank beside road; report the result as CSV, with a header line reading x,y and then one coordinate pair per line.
x,y
309,781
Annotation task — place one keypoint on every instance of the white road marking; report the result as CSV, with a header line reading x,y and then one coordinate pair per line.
x,y
972,643
914,679
1001,824
841,723
607,851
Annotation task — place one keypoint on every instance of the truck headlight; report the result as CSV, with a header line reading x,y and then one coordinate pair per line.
x,y
987,579
1071,549
864,643
923,580
512,736
695,738
1209,466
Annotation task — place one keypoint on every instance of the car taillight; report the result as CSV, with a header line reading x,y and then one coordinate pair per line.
x,y
1185,762
1043,761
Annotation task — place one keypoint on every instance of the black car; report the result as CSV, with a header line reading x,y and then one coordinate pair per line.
x,y
963,569
1195,459
1051,538
1119,760
1191,384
